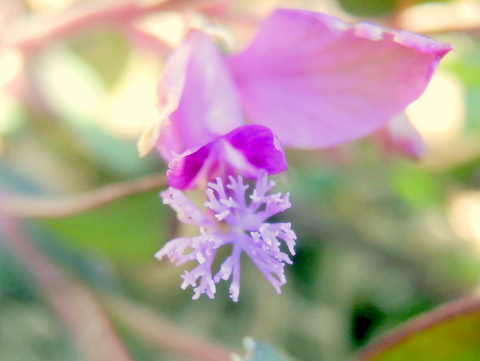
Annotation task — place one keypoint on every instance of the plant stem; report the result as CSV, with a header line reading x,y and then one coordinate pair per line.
x,y
42,208
27,35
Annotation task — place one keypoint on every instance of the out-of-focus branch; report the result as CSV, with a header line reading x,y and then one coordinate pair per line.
x,y
28,34
162,334
74,304
42,208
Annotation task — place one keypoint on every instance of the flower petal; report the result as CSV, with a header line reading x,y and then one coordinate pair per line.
x,y
197,97
400,136
247,150
186,170
258,146
324,82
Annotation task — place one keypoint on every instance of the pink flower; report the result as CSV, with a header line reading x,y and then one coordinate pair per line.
x,y
308,79
312,79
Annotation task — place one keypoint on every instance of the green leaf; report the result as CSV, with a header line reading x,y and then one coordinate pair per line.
x,y
449,333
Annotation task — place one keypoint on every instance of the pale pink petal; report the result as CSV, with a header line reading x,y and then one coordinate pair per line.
x,y
399,136
198,92
317,82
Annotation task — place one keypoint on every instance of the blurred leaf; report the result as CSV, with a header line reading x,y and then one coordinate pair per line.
x,y
465,64
92,269
467,174
372,8
29,332
416,186
128,230
368,8
305,267
11,114
11,180
76,93
365,318
116,156
14,279
472,116
449,333
261,351
70,86
106,52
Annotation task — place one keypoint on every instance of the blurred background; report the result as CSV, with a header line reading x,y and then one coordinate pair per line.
x,y
381,237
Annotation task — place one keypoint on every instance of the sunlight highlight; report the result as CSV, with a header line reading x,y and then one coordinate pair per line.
x,y
455,15
52,5
11,63
170,27
464,216
439,113
130,104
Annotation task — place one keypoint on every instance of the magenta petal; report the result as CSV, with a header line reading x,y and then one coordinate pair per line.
x,y
324,82
186,168
246,150
201,87
260,147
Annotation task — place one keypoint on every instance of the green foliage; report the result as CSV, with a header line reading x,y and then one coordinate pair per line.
x,y
106,51
15,283
29,332
129,230
417,187
80,111
448,334
374,8
465,66
261,351
369,7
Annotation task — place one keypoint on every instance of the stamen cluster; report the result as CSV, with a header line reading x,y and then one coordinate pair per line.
x,y
231,217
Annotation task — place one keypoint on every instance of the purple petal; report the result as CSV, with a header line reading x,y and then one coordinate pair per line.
x,y
324,82
260,147
246,150
200,87
186,170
